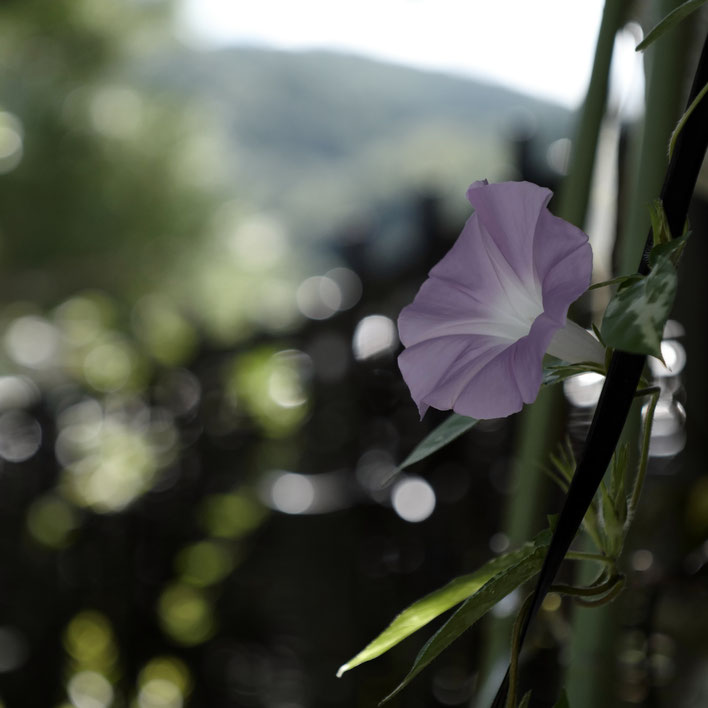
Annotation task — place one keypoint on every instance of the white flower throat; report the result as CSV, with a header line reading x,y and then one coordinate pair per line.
x,y
523,303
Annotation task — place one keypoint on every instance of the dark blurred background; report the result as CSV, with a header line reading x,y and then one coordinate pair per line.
x,y
202,258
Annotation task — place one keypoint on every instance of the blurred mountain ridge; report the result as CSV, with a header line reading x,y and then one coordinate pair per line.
x,y
129,161
343,131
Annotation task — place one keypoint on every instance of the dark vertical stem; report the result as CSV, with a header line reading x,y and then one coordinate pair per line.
x,y
575,192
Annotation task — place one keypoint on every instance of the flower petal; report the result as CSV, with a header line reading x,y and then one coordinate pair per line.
x,y
563,260
445,307
436,370
510,379
475,288
478,328
510,212
493,391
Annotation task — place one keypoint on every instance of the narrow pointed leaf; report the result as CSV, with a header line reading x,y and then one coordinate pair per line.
x,y
673,18
431,606
476,606
635,317
450,429
455,425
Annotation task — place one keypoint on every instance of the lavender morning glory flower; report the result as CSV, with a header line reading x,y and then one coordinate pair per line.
x,y
477,330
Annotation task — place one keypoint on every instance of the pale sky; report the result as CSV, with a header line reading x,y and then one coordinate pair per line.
x,y
544,47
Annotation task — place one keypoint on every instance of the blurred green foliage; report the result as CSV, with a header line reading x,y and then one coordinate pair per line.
x,y
101,195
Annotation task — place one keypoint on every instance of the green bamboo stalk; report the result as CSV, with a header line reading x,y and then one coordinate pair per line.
x,y
575,195
665,87
595,630
539,428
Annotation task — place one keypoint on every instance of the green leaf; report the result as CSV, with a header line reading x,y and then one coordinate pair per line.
x,y
562,701
635,317
476,606
431,606
673,18
445,433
